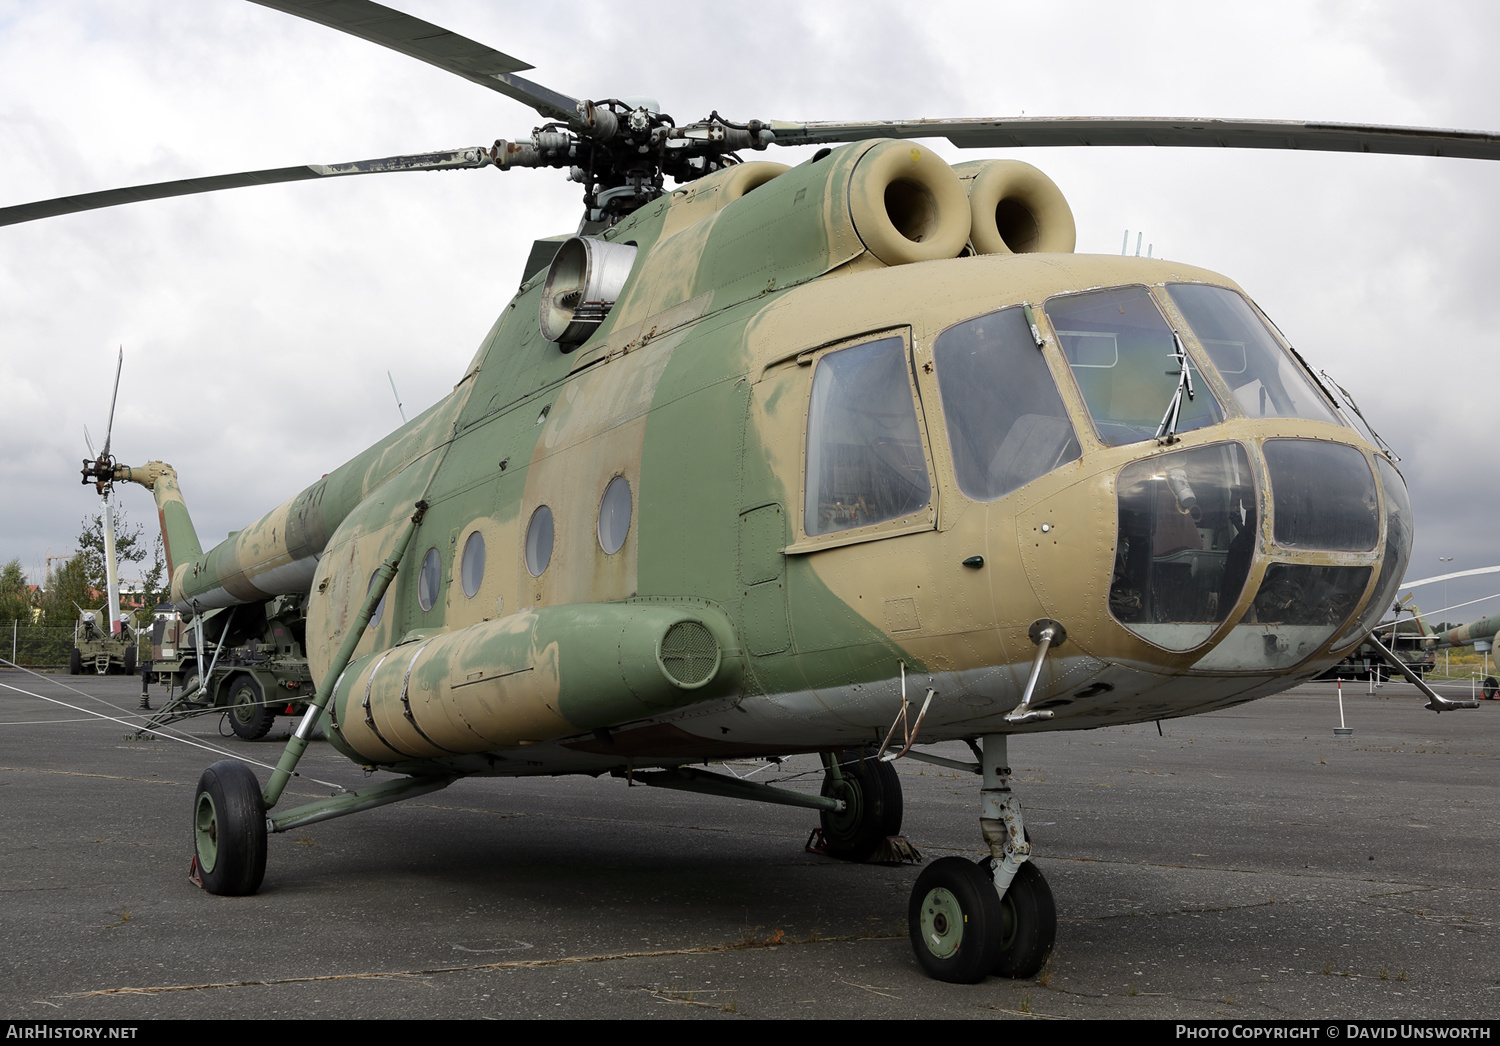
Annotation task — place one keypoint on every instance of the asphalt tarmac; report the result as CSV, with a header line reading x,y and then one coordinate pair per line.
x,y
1242,865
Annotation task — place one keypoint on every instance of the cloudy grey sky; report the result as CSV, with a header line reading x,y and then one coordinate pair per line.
x,y
259,324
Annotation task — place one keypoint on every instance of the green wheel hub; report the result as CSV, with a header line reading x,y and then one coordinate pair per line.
x,y
847,820
942,921
206,830
244,705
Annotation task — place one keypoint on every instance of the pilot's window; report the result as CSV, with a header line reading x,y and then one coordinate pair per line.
x,y
614,515
1266,382
472,573
864,451
539,541
427,581
379,607
1123,356
1006,421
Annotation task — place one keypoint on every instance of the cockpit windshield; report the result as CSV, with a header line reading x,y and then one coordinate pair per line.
x,y
1125,359
1006,421
1265,380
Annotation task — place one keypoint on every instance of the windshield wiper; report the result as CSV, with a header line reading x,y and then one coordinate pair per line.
x,y
1166,432
1382,444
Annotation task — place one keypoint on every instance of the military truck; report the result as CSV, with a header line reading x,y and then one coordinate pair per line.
x,y
247,660
1412,641
96,650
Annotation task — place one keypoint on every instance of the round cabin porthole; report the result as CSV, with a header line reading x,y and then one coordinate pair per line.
x,y
614,515
472,572
539,541
427,581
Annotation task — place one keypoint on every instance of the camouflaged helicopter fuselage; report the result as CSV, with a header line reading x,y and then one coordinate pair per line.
x,y
696,390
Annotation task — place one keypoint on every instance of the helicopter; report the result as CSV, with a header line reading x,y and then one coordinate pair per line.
x,y
852,456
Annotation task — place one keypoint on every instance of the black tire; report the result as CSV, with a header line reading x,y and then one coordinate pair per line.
x,y
871,791
895,803
1028,922
954,921
75,663
229,829
249,718
1491,688
130,661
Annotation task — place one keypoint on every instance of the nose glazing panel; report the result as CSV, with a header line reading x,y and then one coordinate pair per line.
x,y
1186,540
1322,496
1399,535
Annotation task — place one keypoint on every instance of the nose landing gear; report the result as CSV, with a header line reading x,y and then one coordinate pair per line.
x,y
969,920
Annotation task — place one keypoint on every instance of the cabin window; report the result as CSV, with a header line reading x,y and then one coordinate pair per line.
x,y
865,462
472,573
1123,356
539,541
1265,380
614,515
428,579
1006,420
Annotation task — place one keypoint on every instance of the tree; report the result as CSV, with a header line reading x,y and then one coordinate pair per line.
x,y
67,590
15,599
129,547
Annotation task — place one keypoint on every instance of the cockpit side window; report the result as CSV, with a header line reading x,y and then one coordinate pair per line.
x,y
1006,421
865,462
1265,380
1124,357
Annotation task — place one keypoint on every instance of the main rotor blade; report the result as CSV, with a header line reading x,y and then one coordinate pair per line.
x,y
113,397
436,46
1030,131
454,159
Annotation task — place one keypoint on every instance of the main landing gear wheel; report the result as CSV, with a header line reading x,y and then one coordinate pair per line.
x,y
955,921
871,791
229,829
75,663
1491,688
1028,922
248,717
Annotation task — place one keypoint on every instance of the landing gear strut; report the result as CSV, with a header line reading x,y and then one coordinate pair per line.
x,y
969,920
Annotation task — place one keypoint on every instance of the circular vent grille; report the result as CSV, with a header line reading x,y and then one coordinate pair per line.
x,y
689,654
